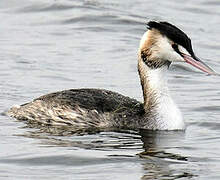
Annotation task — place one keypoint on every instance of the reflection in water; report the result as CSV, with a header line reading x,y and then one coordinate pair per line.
x,y
158,161
155,140
95,140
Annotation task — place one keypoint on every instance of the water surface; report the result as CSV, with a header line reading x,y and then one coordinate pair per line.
x,y
51,45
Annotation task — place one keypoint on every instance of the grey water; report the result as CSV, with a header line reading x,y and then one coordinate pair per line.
x,y
51,45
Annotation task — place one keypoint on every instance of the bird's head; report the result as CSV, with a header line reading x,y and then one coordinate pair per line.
x,y
164,43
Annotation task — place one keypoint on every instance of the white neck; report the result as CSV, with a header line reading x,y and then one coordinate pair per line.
x,y
166,115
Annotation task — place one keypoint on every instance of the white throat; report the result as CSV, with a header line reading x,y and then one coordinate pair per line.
x,y
167,115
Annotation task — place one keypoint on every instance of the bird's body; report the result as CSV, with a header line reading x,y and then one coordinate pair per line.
x,y
83,108
162,44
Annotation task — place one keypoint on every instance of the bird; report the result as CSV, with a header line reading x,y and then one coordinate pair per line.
x,y
161,44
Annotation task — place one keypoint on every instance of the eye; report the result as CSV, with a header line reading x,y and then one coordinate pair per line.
x,y
175,47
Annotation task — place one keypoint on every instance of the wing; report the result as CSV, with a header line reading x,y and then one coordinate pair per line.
x,y
81,108
92,99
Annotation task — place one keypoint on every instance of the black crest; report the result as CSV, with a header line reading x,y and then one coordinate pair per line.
x,y
173,33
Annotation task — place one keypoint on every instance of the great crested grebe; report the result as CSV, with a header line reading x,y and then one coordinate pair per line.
x,y
161,44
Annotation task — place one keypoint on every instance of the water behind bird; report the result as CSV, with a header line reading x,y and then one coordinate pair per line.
x,y
48,46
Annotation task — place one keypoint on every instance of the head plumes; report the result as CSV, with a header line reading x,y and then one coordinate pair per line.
x,y
173,33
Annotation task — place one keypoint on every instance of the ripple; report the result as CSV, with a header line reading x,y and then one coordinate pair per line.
x,y
105,19
210,3
210,125
208,108
65,160
46,7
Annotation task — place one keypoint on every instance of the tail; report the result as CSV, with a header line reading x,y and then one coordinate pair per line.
x,y
13,111
45,113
